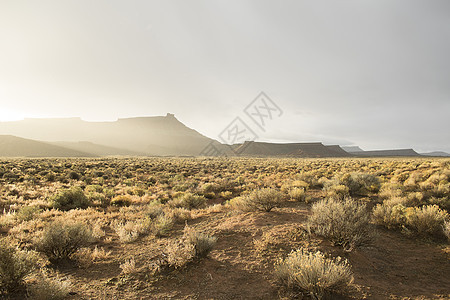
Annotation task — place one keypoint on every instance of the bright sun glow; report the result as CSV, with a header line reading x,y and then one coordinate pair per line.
x,y
10,115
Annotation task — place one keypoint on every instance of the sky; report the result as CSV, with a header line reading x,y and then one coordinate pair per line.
x,y
373,73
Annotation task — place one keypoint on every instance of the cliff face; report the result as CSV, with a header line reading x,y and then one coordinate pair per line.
x,y
146,135
395,152
290,150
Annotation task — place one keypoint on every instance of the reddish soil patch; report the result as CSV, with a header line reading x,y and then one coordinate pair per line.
x,y
241,265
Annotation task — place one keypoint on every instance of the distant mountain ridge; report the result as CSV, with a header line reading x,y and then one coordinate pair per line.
x,y
351,149
152,136
12,146
394,152
143,135
290,150
436,153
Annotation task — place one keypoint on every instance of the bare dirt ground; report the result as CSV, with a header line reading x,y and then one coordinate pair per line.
x,y
241,265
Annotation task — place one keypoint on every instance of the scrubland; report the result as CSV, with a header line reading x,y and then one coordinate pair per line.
x,y
224,228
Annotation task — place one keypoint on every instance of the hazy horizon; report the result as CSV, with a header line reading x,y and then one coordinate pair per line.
x,y
374,74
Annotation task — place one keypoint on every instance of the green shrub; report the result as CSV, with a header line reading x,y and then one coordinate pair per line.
x,y
74,175
95,188
120,201
344,223
363,184
314,274
15,265
70,199
27,213
357,183
97,199
61,239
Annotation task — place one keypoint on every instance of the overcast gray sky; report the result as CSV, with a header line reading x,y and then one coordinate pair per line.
x,y
375,73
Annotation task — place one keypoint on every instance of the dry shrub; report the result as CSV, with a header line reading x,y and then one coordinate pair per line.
x,y
391,216
162,225
86,256
130,231
427,220
203,243
129,266
121,201
313,273
178,253
50,289
216,208
300,184
415,199
192,245
297,194
97,230
61,239
188,201
263,199
226,195
154,210
337,192
178,214
15,265
391,190
344,223
447,229
98,199
442,202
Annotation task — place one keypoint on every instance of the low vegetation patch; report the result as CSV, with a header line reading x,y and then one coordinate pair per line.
x,y
70,199
188,201
61,239
357,184
344,223
50,289
15,265
262,199
427,221
147,200
313,274
192,245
